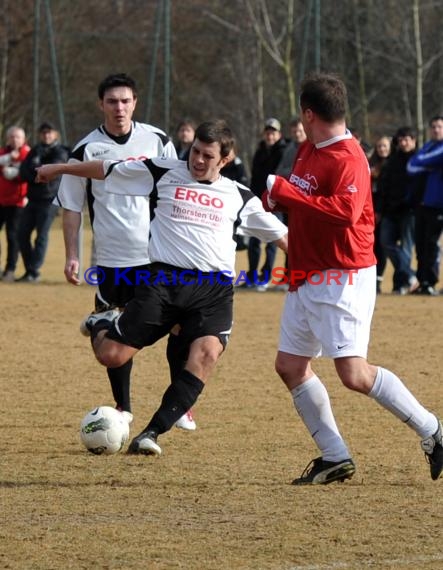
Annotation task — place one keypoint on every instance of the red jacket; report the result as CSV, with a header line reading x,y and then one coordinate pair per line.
x,y
13,192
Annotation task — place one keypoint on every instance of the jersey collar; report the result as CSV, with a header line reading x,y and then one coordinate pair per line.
x,y
347,135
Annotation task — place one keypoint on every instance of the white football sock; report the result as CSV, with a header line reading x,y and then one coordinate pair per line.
x,y
311,400
390,392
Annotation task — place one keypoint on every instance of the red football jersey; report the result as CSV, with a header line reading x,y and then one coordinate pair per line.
x,y
329,205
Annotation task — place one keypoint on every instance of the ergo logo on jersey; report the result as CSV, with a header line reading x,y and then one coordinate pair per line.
x,y
188,195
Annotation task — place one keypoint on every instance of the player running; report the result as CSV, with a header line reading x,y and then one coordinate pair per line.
x,y
331,233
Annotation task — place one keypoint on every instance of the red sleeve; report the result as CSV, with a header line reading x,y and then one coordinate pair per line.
x,y
347,195
271,207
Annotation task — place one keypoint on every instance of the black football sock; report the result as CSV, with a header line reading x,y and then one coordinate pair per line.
x,y
177,400
177,352
120,379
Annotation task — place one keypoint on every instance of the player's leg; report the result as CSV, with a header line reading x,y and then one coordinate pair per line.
x,y
180,395
112,293
207,325
344,329
312,403
120,380
177,352
300,341
389,391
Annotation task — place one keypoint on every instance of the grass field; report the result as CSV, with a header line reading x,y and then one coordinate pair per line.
x,y
218,498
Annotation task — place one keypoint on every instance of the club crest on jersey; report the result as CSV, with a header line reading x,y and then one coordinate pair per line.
x,y
195,197
308,184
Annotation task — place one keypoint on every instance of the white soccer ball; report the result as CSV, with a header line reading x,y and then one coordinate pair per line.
x,y
104,430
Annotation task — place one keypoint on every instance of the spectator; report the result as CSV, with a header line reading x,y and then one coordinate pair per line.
x,y
265,161
235,170
429,213
297,136
40,212
185,136
284,169
397,216
377,159
367,149
12,194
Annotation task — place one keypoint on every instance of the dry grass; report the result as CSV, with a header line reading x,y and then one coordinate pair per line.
x,y
219,497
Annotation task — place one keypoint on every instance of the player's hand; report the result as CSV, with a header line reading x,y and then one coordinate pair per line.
x,y
46,173
71,271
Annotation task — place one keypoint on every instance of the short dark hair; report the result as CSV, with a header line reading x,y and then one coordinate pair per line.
x,y
436,118
216,131
405,132
325,94
116,80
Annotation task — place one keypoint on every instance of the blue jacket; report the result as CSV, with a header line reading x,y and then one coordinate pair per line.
x,y
429,159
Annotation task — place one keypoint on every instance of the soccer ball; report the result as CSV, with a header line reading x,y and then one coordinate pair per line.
x,y
104,430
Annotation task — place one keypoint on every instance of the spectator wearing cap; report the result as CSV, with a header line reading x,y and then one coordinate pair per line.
x,y
39,213
265,161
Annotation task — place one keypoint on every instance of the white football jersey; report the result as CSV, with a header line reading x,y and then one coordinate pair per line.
x,y
194,222
120,222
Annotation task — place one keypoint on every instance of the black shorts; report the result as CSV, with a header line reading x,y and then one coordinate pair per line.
x,y
202,306
117,286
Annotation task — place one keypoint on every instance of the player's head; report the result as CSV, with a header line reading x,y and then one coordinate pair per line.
x,y
116,80
211,150
325,95
117,99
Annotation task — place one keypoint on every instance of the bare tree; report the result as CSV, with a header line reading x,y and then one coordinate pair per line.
x,y
279,47
419,70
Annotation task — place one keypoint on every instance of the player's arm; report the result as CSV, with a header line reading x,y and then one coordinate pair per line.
x,y
133,177
282,243
71,228
255,222
343,206
426,159
89,169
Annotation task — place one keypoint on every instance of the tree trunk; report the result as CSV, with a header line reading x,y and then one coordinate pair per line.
x,y
419,72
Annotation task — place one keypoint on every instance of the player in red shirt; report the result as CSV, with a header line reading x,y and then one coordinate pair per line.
x,y
329,307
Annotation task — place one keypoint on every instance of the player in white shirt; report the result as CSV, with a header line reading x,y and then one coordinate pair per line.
x,y
120,223
192,250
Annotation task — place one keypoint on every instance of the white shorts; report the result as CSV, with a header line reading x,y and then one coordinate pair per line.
x,y
331,317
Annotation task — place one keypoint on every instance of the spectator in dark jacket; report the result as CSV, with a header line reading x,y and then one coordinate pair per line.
x,y
235,170
395,188
40,212
377,159
265,161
